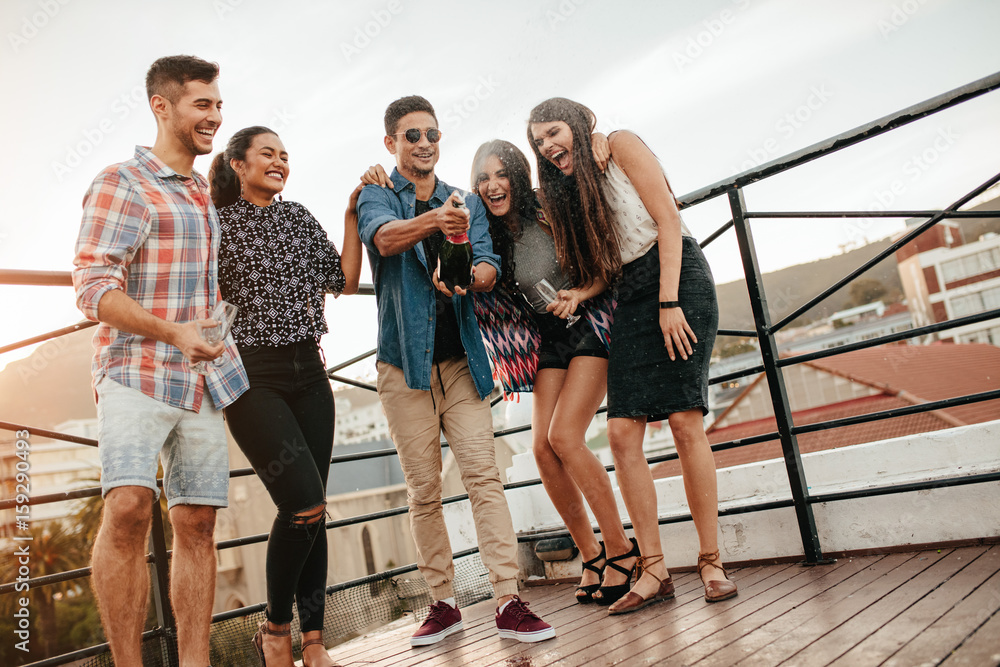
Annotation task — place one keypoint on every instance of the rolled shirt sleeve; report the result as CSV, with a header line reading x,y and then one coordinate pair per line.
x,y
375,208
115,224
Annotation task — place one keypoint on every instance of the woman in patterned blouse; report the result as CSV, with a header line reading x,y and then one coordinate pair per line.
x,y
277,264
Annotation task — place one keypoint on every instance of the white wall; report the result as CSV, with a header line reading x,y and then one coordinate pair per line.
x,y
938,515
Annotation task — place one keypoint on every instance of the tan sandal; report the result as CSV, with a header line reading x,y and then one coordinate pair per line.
x,y
716,591
312,642
258,638
633,601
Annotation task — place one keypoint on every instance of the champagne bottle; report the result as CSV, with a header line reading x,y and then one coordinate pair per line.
x,y
455,258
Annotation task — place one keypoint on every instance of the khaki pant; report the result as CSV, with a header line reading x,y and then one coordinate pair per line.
x,y
416,419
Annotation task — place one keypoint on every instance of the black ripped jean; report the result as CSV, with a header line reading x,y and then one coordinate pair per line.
x,y
284,425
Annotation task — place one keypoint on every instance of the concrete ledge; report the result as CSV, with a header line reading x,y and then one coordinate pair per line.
x,y
932,516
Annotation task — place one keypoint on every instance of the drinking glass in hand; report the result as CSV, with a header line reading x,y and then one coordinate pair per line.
x,y
545,290
224,313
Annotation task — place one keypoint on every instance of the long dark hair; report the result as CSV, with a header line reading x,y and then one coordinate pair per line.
x,y
523,203
582,221
225,184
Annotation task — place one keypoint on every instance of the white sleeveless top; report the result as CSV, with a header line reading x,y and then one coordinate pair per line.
x,y
636,227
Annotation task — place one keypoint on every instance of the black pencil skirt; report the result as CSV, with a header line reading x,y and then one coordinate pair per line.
x,y
642,380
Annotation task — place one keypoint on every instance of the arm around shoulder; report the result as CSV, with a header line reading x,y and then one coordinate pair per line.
x,y
350,259
114,226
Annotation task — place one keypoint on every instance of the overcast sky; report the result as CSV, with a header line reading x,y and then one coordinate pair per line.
x,y
714,87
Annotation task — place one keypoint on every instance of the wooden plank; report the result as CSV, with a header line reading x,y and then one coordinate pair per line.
x,y
883,610
642,633
981,649
586,621
953,627
480,631
892,636
709,620
946,604
797,590
788,634
857,573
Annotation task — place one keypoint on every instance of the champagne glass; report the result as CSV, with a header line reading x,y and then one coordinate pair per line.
x,y
224,313
545,290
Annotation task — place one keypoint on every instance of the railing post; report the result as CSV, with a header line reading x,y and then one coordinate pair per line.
x,y
161,587
775,380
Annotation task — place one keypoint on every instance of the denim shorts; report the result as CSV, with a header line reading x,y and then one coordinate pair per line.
x,y
561,344
134,429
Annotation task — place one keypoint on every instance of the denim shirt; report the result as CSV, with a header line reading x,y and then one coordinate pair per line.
x,y
403,288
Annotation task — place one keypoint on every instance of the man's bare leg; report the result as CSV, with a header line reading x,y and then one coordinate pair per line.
x,y
192,580
120,574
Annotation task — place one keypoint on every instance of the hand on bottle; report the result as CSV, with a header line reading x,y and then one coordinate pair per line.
x,y
677,335
450,219
447,292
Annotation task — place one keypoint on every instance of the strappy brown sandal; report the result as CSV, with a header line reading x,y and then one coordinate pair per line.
x,y
716,591
633,601
258,638
312,642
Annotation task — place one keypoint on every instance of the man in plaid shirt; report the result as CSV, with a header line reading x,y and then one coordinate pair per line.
x,y
146,263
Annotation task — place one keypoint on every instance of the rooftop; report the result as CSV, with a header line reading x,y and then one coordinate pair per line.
x,y
909,608
898,376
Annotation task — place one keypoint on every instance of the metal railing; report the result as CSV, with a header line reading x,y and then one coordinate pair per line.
x,y
764,332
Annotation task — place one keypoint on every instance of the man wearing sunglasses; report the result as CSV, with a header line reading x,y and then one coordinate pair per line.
x,y
433,372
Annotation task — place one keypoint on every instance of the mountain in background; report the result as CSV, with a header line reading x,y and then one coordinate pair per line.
x,y
50,386
789,288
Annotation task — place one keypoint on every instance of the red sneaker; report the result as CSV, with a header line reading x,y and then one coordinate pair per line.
x,y
518,622
442,620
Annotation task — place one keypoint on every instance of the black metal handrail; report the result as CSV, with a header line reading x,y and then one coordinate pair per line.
x,y
764,331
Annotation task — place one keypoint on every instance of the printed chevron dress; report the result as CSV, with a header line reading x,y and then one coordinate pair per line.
x,y
512,338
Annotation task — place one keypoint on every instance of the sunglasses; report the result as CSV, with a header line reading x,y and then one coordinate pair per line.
x,y
413,135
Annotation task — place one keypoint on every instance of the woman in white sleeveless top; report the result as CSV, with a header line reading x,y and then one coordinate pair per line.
x,y
623,227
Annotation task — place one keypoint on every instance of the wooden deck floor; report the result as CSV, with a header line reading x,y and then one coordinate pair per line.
x,y
925,608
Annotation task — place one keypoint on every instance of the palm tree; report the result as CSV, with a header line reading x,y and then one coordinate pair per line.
x,y
54,549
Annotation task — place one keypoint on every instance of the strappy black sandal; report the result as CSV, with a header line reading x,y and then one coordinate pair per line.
x,y
585,594
606,595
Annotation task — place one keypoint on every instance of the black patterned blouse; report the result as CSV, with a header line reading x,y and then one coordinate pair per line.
x,y
276,263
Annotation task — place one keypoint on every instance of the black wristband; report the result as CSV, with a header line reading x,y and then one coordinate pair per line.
x,y
670,304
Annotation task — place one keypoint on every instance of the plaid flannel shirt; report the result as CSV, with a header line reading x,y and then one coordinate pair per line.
x,y
153,233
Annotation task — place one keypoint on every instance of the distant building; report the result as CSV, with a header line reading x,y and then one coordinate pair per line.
x,y
870,321
945,278
857,383
56,467
359,417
